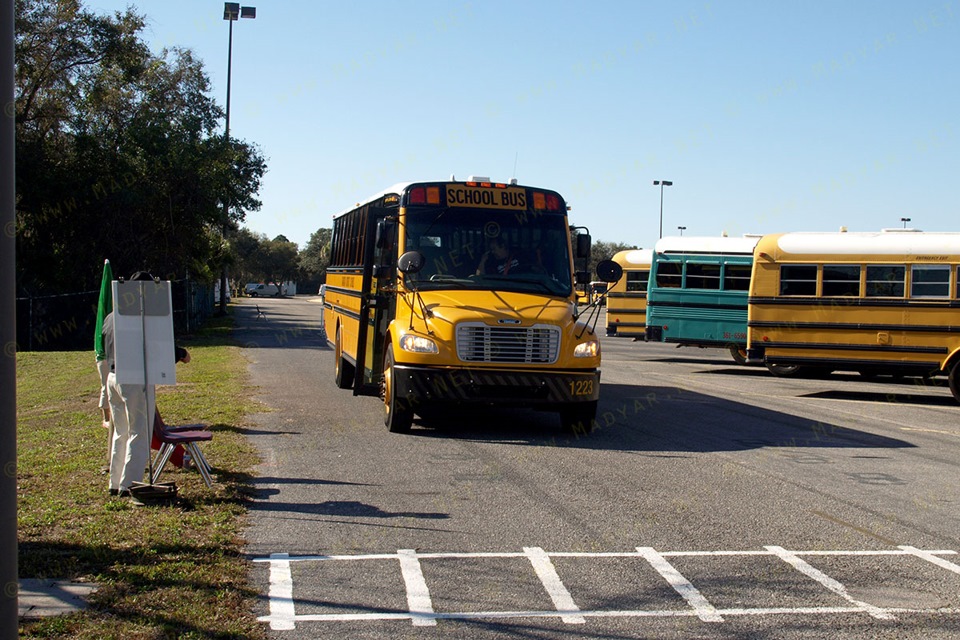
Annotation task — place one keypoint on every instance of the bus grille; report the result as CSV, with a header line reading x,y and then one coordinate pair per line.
x,y
478,342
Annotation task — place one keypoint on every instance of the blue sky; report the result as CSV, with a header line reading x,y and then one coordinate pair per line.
x,y
767,116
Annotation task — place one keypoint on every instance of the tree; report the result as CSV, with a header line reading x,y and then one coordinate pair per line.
x,y
118,153
315,257
279,260
601,250
261,259
244,250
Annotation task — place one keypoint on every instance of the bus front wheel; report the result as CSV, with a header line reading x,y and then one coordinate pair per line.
x,y
397,415
578,419
955,380
343,370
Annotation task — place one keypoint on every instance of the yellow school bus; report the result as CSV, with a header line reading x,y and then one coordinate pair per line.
x,y
445,294
879,303
627,298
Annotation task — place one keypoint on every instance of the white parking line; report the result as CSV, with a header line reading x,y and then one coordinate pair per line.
x,y
704,610
807,569
418,594
282,613
930,557
547,573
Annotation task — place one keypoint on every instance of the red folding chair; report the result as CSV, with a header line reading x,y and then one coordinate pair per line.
x,y
171,438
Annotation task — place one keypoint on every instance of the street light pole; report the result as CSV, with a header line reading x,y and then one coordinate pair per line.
x,y
681,230
662,184
904,221
231,11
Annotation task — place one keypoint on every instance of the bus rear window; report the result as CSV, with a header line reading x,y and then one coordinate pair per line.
x,y
930,281
841,280
703,276
798,280
670,275
885,281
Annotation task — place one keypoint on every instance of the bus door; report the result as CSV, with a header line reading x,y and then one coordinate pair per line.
x,y
378,301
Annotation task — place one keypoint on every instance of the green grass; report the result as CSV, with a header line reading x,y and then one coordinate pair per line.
x,y
165,571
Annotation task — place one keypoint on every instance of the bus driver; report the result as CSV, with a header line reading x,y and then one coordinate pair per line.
x,y
498,259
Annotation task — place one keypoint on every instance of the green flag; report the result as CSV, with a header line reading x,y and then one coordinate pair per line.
x,y
104,307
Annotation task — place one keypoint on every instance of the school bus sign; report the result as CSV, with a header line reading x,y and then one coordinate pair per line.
x,y
462,195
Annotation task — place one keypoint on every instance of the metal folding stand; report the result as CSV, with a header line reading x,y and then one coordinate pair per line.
x,y
150,491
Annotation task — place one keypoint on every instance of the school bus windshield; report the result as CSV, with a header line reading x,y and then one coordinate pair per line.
x,y
483,249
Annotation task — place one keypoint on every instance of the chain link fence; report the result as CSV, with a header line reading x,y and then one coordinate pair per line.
x,y
65,322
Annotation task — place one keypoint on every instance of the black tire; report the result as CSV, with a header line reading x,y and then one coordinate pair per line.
x,y
343,370
955,380
397,414
739,354
578,419
784,370
253,294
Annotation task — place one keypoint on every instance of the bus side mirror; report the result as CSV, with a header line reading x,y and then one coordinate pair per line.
x,y
582,277
609,271
385,233
410,262
583,245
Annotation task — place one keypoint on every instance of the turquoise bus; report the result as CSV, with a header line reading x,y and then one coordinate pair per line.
x,y
697,294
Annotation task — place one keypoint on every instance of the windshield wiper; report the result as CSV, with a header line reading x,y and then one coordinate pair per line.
x,y
540,283
434,281
433,222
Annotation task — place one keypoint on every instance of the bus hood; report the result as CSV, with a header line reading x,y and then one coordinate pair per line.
x,y
493,307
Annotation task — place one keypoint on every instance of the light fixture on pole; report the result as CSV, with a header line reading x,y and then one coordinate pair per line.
x,y
681,230
662,184
231,12
904,221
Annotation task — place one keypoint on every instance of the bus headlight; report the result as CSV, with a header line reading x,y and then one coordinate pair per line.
x,y
589,349
418,344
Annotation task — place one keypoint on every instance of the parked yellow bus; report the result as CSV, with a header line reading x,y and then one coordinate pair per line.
x,y
444,294
627,298
879,303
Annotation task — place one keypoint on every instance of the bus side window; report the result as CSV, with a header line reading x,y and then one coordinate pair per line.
x,y
885,281
670,275
841,280
736,277
637,281
703,275
930,281
798,280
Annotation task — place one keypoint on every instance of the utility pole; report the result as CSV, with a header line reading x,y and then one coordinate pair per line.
x,y
8,335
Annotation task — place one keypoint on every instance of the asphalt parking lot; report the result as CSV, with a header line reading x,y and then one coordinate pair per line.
x,y
712,500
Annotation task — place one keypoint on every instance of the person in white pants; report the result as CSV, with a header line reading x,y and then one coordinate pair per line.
x,y
129,412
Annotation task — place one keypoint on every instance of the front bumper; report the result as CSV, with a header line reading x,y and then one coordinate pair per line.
x,y
423,385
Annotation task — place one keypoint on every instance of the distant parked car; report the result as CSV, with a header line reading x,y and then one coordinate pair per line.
x,y
262,290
